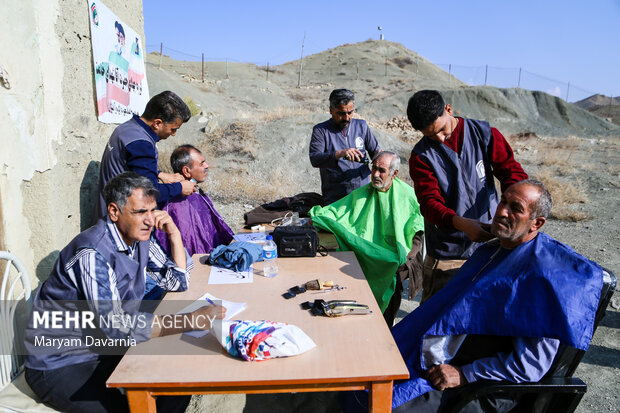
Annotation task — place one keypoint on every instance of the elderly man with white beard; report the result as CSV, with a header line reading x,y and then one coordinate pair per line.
x,y
382,224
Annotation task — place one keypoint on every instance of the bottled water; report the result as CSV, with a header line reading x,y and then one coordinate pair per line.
x,y
270,256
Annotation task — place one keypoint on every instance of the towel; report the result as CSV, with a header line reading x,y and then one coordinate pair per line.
x,y
237,256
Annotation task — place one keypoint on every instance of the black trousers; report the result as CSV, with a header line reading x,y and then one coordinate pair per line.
x,y
436,400
81,388
392,309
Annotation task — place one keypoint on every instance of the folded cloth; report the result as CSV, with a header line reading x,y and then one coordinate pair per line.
x,y
261,340
237,256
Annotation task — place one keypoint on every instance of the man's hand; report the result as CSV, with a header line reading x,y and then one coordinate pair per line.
x,y
164,222
445,376
350,154
475,230
204,316
200,319
170,178
188,187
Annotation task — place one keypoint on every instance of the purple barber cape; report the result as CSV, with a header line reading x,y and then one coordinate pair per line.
x,y
542,288
202,228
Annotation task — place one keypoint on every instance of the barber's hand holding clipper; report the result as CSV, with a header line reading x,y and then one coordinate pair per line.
x,y
350,154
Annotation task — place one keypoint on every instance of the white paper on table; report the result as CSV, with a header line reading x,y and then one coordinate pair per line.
x,y
255,237
232,309
221,275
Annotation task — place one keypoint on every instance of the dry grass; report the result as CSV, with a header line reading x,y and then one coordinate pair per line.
x,y
194,109
251,188
236,139
570,215
282,112
566,194
567,143
402,61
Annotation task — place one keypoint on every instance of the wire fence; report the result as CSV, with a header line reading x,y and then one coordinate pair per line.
x,y
395,68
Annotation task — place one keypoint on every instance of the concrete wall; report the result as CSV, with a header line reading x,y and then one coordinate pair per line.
x,y
51,141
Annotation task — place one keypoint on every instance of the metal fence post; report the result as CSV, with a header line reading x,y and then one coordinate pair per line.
x,y
161,53
301,60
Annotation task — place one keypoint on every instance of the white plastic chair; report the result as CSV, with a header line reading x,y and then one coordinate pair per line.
x,y
15,290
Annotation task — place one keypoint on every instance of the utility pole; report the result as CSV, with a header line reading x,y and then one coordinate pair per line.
x,y
450,75
519,82
203,68
267,71
567,90
486,71
161,53
301,60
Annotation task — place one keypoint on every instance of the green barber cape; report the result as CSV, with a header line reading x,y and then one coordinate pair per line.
x,y
377,226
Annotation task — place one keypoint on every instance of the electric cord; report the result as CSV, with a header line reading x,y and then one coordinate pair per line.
x,y
286,220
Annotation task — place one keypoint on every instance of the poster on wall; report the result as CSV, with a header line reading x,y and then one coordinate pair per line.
x,y
118,56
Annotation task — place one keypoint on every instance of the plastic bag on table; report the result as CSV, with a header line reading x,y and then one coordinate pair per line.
x,y
261,340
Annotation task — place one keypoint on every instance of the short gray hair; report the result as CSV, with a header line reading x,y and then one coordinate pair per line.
x,y
120,188
340,97
394,163
182,156
544,203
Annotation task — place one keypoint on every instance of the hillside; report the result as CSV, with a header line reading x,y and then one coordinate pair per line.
x,y
607,112
383,74
597,100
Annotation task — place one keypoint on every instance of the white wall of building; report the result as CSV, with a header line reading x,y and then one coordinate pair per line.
x,y
51,139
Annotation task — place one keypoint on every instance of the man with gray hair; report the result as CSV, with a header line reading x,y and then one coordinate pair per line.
x,y
503,315
202,227
381,222
340,147
105,270
132,147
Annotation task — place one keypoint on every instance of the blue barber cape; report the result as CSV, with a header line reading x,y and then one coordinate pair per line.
x,y
542,288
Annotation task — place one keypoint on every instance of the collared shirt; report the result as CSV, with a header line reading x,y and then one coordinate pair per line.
x,y
99,279
530,359
339,177
433,204
142,160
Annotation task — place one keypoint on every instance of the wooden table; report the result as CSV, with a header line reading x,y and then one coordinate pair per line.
x,y
354,352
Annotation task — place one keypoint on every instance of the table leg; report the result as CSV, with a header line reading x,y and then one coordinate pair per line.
x,y
141,401
380,397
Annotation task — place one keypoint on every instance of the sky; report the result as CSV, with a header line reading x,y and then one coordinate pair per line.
x,y
563,47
